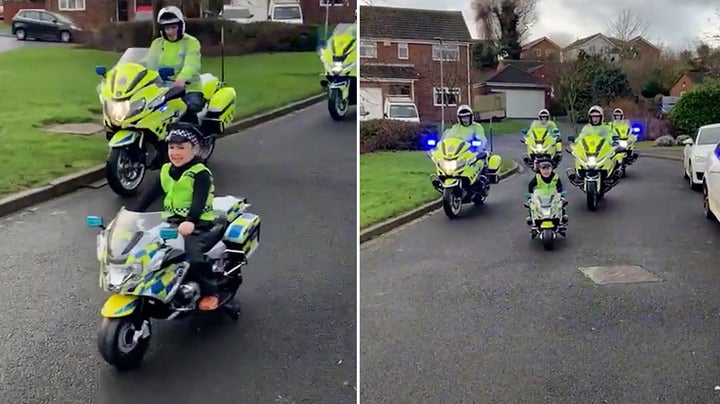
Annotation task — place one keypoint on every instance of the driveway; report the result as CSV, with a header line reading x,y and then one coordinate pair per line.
x,y
474,311
8,43
296,340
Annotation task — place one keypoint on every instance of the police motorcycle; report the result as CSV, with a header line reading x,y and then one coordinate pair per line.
x,y
596,171
541,145
463,171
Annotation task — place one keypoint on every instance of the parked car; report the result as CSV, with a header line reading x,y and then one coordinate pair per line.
x,y
2,11
711,185
44,25
696,153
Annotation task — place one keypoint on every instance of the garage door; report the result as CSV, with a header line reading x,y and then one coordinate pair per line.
x,y
523,103
370,103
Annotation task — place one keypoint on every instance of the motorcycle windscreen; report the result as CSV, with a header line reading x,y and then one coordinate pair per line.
x,y
130,230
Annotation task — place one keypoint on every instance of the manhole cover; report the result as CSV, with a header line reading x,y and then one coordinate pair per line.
x,y
619,274
86,129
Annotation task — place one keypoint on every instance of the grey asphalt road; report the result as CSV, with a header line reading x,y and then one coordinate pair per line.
x,y
474,311
296,341
10,43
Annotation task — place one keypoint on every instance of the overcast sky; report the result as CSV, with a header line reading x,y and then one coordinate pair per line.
x,y
674,23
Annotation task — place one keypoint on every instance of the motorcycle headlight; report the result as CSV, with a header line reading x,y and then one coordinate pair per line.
x,y
118,111
623,144
337,67
449,166
592,161
118,276
539,147
545,211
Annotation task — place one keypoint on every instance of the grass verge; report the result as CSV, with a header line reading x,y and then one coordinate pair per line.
x,y
42,85
392,183
4,27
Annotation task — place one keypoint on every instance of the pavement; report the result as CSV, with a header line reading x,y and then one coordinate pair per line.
x,y
296,339
474,311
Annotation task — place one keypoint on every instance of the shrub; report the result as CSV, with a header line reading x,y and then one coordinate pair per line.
x,y
240,39
680,139
658,128
696,108
387,134
632,109
665,141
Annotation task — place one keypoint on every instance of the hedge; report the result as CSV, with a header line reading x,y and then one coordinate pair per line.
x,y
388,134
696,108
240,39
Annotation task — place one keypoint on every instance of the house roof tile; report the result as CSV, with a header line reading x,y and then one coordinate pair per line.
x,y
410,23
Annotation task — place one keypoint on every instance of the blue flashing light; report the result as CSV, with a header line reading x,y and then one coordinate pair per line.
x,y
431,142
93,221
476,143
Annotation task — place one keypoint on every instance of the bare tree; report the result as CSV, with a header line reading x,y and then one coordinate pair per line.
x,y
627,25
571,82
494,16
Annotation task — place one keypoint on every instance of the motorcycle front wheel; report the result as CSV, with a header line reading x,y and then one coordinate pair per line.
x,y
117,346
452,204
548,239
337,106
592,201
124,173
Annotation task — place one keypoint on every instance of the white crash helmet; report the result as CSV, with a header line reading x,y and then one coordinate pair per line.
x,y
171,15
618,111
544,113
597,110
464,112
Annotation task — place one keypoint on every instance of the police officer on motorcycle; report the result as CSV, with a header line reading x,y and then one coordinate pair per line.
x,y
180,51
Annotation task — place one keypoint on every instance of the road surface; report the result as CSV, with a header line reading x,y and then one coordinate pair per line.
x,y
474,311
296,340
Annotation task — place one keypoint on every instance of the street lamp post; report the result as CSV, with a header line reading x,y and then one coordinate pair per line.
x,y
442,87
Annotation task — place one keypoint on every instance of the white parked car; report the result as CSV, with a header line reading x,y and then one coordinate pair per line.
x,y
695,153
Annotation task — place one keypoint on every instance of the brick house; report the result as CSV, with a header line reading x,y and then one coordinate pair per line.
x,y
400,52
94,13
686,82
543,49
338,11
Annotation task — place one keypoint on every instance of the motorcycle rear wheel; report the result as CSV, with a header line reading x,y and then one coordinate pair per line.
x,y
116,345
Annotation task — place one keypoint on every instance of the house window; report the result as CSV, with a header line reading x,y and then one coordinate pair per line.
x,y
368,49
548,52
447,52
332,2
450,95
538,52
403,52
71,5
402,90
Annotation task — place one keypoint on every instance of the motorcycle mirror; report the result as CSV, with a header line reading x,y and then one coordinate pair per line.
x,y
556,131
571,138
166,72
168,233
524,131
526,195
94,221
100,70
563,193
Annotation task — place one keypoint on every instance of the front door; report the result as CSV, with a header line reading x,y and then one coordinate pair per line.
x,y
122,10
